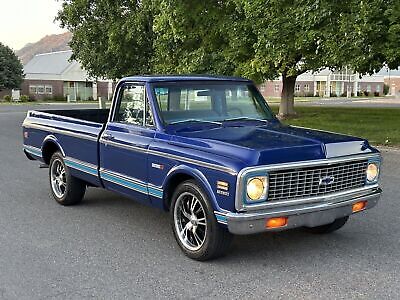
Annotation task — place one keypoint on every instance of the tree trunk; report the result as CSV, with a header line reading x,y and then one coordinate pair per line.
x,y
286,108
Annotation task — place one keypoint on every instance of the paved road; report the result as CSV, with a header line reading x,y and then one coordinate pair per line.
x,y
111,247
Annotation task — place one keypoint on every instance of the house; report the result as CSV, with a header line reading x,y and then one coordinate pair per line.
x,y
54,76
392,80
327,83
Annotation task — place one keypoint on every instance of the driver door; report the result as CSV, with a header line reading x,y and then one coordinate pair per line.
x,y
125,142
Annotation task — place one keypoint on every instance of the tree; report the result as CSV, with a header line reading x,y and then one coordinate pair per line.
x,y
111,38
259,39
11,70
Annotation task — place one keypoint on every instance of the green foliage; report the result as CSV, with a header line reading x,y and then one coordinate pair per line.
x,y
7,98
24,98
385,89
11,73
354,121
258,39
111,38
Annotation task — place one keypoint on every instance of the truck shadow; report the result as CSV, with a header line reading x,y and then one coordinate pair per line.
x,y
287,247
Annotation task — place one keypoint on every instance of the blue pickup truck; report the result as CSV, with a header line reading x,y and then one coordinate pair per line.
x,y
211,152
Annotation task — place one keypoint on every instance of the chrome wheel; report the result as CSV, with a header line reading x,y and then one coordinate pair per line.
x,y
190,221
58,178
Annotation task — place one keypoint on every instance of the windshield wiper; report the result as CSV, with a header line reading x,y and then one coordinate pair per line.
x,y
245,119
194,121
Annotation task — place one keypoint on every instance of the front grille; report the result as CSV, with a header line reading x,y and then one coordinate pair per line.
x,y
306,181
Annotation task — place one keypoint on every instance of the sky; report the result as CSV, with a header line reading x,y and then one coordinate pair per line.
x,y
27,21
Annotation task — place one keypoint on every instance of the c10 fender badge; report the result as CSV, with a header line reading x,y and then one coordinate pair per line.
x,y
157,166
223,193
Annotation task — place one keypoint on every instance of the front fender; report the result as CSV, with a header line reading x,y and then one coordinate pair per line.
x,y
198,176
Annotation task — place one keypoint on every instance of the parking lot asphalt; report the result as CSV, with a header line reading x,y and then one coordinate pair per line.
x,y
110,247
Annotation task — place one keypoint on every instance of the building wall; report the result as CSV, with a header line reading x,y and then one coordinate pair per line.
x,y
371,87
3,93
102,90
271,88
338,88
57,88
394,85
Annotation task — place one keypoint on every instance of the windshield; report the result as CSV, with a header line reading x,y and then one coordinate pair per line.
x,y
210,101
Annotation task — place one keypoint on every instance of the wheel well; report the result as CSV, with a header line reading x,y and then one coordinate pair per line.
x,y
173,183
48,150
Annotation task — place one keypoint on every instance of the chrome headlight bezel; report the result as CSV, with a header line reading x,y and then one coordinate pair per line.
x,y
263,195
377,163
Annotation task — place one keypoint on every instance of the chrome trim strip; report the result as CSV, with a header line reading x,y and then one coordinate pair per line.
x,y
131,182
28,147
240,206
33,150
61,131
36,113
171,156
123,177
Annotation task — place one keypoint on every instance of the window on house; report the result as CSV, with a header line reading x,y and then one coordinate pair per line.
x,y
71,84
89,84
48,89
40,89
277,87
368,88
262,87
378,88
297,88
32,89
306,88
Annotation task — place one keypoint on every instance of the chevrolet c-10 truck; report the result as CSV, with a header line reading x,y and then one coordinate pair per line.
x,y
211,152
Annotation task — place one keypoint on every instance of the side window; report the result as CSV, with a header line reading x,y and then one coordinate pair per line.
x,y
132,105
149,115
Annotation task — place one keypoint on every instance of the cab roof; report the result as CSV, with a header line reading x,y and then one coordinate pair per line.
x,y
172,78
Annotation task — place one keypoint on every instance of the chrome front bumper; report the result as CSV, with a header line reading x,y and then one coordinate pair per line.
x,y
317,213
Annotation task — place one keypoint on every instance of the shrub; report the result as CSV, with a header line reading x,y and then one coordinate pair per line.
x,y
366,93
309,94
376,94
24,98
333,94
344,94
385,89
90,98
352,94
7,98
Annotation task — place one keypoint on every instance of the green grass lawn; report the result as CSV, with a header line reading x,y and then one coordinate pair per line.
x,y
381,126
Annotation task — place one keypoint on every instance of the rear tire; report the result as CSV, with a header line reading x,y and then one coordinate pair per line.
x,y
194,224
65,188
328,228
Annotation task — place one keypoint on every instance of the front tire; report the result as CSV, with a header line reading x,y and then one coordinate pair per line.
x,y
194,224
65,188
328,228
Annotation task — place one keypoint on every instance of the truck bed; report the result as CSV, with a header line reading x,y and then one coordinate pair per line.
x,y
91,115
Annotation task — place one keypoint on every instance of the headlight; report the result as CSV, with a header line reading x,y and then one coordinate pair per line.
x,y
257,188
372,172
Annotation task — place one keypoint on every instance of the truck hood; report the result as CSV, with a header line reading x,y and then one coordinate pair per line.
x,y
272,143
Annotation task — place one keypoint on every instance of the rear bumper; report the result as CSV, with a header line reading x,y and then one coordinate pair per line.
x,y
309,215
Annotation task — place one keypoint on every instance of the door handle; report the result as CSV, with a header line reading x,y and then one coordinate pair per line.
x,y
107,136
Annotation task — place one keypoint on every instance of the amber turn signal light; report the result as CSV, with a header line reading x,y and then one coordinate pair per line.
x,y
359,206
276,222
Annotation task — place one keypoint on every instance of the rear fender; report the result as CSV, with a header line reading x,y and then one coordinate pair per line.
x,y
51,141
